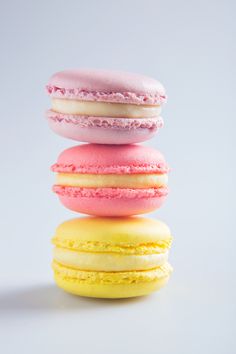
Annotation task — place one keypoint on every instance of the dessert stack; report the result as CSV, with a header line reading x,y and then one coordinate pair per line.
x,y
112,253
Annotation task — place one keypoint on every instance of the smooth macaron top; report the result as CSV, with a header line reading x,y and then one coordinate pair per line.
x,y
106,86
110,159
127,231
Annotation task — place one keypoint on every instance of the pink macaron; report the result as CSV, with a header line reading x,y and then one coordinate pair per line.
x,y
105,107
111,180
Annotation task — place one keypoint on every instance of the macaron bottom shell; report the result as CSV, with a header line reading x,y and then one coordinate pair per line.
x,y
101,132
105,206
110,290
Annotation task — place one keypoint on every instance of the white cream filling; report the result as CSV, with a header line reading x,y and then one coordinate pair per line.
x,y
112,180
108,262
104,109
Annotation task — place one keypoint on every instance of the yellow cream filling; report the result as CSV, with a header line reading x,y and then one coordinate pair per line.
x,y
111,180
104,109
108,262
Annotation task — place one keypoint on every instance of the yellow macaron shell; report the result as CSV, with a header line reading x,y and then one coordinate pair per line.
x,y
111,284
111,180
104,109
127,235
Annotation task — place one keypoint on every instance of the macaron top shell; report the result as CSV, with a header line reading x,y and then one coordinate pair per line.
x,y
127,231
110,159
106,86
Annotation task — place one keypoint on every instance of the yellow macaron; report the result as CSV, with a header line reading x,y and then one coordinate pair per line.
x,y
111,257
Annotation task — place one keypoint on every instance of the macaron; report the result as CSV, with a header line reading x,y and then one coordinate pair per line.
x,y
111,180
105,107
111,257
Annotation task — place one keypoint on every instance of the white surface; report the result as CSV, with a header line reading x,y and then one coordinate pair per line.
x,y
187,45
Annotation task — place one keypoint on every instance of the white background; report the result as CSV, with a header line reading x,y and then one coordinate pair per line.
x,y
190,47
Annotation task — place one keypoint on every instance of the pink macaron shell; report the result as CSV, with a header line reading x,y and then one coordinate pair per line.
x,y
106,86
103,130
111,159
111,201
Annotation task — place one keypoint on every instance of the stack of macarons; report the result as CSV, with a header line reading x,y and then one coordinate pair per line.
x,y
112,253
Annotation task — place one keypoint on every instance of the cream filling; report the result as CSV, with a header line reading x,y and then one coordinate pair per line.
x,y
104,109
108,262
111,180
